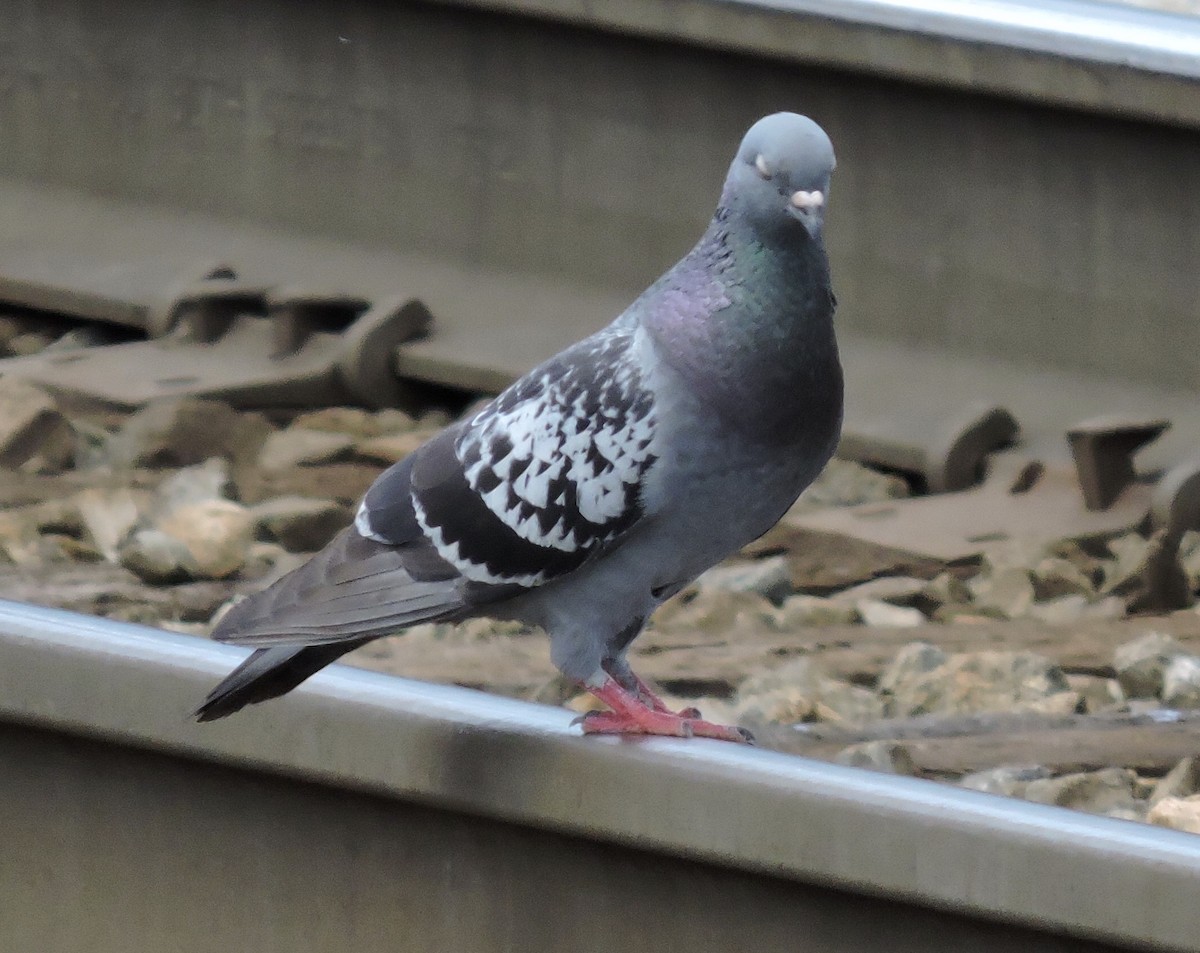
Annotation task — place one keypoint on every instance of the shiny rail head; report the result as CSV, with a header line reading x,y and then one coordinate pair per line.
x,y
1102,32
760,811
1044,50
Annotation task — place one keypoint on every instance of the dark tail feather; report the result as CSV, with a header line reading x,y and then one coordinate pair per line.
x,y
269,673
354,588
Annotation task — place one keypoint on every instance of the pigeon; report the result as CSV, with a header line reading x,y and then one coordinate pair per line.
x,y
606,479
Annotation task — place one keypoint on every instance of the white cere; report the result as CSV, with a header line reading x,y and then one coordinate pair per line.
x,y
808,200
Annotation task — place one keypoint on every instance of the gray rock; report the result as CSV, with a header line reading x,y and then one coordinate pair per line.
x,y
714,611
911,662
109,516
1110,607
1181,682
434,419
973,682
846,483
1123,572
301,524
10,327
898,590
1189,559
1183,780
839,701
1019,554
266,562
394,420
1061,610
217,534
1056,703
29,342
960,613
389,448
21,542
1098,694
1135,811
1149,706
1177,813
1055,577
1096,792
888,757
209,480
1005,592
946,589
1147,574
34,435
57,516
355,421
886,615
1141,663
157,558
89,335
770,578
1009,780
299,446
802,610
178,432
802,691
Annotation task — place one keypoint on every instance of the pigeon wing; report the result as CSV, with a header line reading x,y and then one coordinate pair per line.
x,y
543,479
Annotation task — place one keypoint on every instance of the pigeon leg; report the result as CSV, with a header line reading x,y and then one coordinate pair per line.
x,y
633,683
631,715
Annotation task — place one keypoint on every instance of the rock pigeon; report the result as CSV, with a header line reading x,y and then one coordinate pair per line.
x,y
607,479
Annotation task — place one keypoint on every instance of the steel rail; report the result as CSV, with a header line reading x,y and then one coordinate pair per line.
x,y
949,866
1090,55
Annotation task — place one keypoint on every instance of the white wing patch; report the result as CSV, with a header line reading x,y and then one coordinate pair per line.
x,y
559,457
362,523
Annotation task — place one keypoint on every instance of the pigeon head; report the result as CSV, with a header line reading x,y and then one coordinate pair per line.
x,y
778,183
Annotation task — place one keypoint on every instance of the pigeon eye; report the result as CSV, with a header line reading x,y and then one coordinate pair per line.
x,y
761,164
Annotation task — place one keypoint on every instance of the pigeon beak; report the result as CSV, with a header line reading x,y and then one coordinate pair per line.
x,y
809,207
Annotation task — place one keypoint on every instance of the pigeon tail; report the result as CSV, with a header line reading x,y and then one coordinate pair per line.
x,y
267,674
355,588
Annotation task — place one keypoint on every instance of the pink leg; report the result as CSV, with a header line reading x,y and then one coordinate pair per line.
x,y
657,704
631,715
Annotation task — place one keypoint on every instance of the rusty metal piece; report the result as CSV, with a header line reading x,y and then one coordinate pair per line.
x,y
1022,499
246,344
954,460
1175,500
206,311
366,362
296,316
195,284
948,454
1103,448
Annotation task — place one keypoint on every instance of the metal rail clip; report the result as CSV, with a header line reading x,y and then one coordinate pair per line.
x,y
248,344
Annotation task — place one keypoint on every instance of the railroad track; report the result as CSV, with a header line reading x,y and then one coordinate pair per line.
x,y
379,814
1015,231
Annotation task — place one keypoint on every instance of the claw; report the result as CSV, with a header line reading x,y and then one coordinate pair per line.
x,y
631,715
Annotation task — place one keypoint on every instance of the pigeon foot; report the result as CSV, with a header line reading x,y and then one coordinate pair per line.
x,y
632,716
650,698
